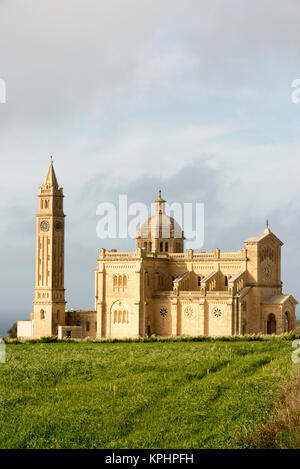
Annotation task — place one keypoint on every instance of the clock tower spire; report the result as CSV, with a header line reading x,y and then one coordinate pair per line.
x,y
49,298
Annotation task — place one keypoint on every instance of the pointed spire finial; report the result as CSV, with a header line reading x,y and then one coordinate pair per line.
x,y
159,193
267,229
51,180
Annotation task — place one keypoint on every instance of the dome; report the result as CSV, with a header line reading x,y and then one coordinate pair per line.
x,y
159,225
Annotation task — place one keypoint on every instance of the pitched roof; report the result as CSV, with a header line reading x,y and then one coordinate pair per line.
x,y
182,276
279,300
265,234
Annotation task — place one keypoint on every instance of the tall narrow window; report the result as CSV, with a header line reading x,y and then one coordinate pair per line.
x,y
286,323
166,247
226,281
87,326
119,316
161,246
42,314
199,281
124,316
124,281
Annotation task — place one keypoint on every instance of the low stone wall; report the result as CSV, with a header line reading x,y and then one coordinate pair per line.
x,y
69,332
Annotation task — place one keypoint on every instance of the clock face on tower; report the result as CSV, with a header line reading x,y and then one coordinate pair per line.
x,y
267,272
58,226
44,225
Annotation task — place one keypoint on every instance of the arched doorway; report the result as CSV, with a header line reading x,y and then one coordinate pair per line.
x,y
271,324
286,322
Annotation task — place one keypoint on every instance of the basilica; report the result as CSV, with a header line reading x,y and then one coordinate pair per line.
x,y
159,288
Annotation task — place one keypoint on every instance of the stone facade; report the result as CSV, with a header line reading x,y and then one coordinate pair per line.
x,y
191,293
158,288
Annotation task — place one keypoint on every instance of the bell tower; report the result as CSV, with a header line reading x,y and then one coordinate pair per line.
x,y
49,297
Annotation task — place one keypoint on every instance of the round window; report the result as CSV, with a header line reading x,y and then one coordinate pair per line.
x,y
217,312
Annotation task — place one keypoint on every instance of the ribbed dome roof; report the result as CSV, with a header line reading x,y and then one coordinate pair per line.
x,y
159,225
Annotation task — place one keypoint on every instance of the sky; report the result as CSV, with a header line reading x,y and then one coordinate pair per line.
x,y
129,96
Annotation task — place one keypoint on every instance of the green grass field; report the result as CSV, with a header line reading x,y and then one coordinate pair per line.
x,y
138,395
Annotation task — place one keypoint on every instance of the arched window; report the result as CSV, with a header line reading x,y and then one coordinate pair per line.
x,y
199,281
145,245
244,328
119,282
226,281
286,322
150,246
42,314
161,246
87,326
271,324
120,317
166,247
124,316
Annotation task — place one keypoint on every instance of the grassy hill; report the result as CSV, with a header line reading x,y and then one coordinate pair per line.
x,y
138,395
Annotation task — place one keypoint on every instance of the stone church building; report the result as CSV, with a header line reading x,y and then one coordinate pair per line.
x,y
158,288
